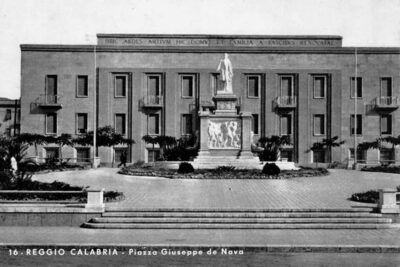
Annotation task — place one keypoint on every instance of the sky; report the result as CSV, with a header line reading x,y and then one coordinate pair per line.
x,y
360,22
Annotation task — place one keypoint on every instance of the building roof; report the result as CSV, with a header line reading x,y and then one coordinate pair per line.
x,y
215,44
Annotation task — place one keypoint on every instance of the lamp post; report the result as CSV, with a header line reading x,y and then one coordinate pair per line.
x,y
94,109
355,109
94,165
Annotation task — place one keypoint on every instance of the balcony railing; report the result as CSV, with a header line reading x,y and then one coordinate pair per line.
x,y
152,101
386,103
49,101
285,102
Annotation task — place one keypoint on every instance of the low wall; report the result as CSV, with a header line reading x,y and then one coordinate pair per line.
x,y
19,215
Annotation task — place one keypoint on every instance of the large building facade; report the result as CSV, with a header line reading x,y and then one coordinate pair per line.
x,y
308,87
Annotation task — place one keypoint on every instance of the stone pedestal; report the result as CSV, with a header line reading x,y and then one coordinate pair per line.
x,y
387,201
204,117
246,153
226,104
225,137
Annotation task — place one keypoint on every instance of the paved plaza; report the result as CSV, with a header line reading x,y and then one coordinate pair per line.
x,y
330,191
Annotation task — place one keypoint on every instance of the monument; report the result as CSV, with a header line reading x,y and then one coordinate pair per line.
x,y
225,134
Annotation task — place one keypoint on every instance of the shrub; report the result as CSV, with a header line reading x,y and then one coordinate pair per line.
x,y
222,169
138,164
185,167
184,149
382,168
371,196
336,165
271,169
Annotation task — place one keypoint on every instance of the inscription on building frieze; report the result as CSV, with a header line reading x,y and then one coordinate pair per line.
x,y
220,42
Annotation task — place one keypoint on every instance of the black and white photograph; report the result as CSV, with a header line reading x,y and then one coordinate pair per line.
x,y
200,133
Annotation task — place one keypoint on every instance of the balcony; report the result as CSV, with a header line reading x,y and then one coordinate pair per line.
x,y
285,102
49,101
151,101
386,103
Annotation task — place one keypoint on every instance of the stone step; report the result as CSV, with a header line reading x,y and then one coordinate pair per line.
x,y
238,226
239,210
240,220
243,214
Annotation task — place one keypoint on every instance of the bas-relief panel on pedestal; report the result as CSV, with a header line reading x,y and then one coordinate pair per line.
x,y
224,134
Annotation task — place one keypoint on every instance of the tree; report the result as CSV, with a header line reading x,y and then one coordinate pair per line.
x,y
395,141
163,141
149,139
32,139
105,136
11,147
326,145
272,146
378,143
63,140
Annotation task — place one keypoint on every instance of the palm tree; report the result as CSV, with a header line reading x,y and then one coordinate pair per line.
x,y
106,136
149,139
63,140
326,144
32,139
165,141
272,146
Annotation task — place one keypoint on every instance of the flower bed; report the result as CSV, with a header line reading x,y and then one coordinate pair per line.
x,y
24,182
33,167
382,168
221,173
371,196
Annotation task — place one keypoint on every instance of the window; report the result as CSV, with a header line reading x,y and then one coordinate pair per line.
x,y
8,115
255,123
319,156
319,124
386,87
287,85
51,123
52,152
253,86
120,123
286,124
319,84
82,86
361,155
82,154
153,123
386,124
153,155
216,83
120,83
187,84
386,155
51,85
359,124
81,123
186,124
154,85
353,85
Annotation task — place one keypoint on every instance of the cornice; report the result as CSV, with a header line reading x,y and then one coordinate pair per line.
x,y
244,50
